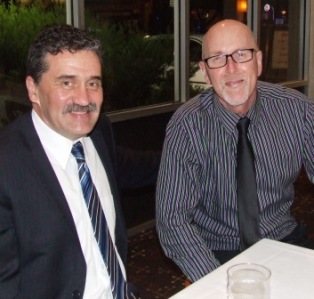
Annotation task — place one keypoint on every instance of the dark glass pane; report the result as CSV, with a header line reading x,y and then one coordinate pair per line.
x,y
19,25
281,41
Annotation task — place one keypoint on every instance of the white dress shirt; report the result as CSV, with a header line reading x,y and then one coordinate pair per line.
x,y
58,150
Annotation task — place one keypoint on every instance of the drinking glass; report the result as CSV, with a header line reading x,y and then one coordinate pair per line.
x,y
248,281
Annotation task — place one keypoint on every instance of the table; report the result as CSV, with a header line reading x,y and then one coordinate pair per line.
x,y
292,269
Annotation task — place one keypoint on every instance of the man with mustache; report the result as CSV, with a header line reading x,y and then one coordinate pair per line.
x,y
60,213
198,194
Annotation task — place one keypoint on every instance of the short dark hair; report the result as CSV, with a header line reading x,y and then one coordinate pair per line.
x,y
54,39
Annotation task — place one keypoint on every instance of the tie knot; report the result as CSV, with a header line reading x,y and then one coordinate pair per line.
x,y
78,151
243,125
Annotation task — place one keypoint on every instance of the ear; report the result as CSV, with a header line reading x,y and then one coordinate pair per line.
x,y
259,58
204,70
32,90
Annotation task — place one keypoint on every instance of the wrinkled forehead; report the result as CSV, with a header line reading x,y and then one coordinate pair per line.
x,y
225,38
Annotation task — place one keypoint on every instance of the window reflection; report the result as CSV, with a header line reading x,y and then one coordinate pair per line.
x,y
281,40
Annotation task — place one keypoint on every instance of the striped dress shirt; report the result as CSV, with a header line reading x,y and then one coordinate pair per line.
x,y
196,204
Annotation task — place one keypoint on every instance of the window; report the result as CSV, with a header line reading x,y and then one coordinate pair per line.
x,y
138,42
145,42
19,24
282,39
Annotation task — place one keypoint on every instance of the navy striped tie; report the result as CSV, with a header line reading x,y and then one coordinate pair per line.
x,y
101,232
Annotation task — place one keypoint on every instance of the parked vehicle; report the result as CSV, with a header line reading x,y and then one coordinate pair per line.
x,y
165,43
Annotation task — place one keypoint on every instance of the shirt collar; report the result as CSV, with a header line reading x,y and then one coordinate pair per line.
x,y
50,138
255,111
230,119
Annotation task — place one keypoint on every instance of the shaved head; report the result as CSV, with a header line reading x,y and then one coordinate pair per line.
x,y
226,32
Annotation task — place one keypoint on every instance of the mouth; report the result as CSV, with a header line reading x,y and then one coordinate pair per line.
x,y
234,83
80,112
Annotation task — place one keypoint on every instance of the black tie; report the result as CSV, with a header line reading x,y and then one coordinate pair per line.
x,y
246,188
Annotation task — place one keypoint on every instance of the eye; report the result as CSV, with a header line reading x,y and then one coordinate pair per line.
x,y
217,58
94,84
241,53
67,84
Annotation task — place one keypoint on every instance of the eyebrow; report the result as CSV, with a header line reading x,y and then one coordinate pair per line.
x,y
96,78
215,53
62,77
231,52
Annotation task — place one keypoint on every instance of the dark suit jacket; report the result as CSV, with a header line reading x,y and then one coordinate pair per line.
x,y
40,253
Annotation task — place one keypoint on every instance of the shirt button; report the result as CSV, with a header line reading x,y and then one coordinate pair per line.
x,y
76,294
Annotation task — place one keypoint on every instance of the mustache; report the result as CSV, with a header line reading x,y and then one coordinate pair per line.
x,y
79,108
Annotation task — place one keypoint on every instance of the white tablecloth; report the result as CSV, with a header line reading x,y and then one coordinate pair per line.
x,y
292,269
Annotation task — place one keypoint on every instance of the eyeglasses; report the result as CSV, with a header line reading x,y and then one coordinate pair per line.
x,y
238,56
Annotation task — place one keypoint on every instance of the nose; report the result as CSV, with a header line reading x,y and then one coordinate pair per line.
x,y
231,64
82,95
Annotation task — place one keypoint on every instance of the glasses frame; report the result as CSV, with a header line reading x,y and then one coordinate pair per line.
x,y
229,55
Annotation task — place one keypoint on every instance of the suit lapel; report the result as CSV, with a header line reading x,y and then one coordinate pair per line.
x,y
105,156
40,166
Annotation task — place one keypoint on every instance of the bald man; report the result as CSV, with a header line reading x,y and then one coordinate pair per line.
x,y
196,200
